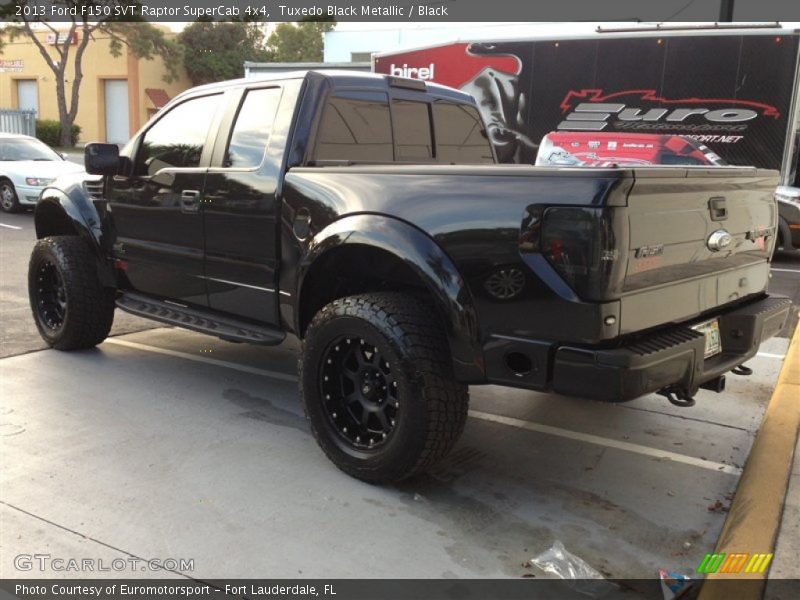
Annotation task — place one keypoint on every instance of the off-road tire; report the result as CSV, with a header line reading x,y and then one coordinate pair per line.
x,y
89,307
432,404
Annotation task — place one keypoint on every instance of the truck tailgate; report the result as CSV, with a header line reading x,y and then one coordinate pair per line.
x,y
673,271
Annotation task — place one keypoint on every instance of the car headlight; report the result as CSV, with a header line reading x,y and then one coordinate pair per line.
x,y
39,181
788,194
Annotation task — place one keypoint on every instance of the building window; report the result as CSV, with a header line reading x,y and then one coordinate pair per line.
x,y
360,56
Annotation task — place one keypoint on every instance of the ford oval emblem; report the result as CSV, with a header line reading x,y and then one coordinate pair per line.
x,y
719,240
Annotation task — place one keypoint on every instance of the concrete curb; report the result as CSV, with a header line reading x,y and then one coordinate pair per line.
x,y
755,515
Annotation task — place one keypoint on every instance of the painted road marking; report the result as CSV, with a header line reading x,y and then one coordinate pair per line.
x,y
10,226
508,421
601,441
768,355
786,270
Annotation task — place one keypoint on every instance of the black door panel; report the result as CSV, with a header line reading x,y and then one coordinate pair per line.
x,y
240,211
161,244
157,211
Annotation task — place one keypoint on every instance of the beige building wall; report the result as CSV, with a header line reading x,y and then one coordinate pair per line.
x,y
21,60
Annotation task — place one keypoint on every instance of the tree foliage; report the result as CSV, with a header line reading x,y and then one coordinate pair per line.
x,y
139,37
217,51
299,42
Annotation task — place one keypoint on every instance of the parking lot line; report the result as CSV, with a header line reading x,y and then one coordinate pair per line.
x,y
786,270
770,355
9,226
607,442
508,421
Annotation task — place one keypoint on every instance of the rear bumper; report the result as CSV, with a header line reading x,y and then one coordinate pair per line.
x,y
667,358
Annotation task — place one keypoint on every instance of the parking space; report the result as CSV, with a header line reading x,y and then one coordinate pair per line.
x,y
157,443
165,443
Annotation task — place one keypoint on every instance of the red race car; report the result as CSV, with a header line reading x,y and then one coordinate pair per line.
x,y
576,148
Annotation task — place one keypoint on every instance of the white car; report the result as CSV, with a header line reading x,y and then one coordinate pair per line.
x,y
26,167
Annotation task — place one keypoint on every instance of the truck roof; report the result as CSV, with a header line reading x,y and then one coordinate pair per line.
x,y
337,79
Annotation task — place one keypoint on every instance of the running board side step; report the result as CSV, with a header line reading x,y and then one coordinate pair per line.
x,y
202,321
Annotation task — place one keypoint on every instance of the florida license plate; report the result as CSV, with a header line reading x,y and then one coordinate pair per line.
x,y
710,329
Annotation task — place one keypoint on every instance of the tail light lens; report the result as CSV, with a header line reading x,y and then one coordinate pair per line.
x,y
584,245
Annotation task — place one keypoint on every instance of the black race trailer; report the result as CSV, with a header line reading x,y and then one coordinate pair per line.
x,y
732,88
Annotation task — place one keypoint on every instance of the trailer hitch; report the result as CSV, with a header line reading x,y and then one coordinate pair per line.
x,y
676,396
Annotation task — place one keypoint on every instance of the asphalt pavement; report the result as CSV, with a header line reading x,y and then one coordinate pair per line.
x,y
163,443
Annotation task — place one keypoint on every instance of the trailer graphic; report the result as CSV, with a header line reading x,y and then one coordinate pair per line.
x,y
731,89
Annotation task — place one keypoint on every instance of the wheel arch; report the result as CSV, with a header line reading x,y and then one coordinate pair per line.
x,y
366,253
69,211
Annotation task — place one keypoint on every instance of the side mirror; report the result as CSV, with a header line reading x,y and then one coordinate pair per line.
x,y
101,159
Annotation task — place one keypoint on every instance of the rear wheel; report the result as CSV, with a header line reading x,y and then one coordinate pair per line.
x,y
8,197
378,387
71,308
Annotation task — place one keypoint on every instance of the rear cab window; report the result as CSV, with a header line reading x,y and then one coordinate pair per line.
x,y
367,127
357,128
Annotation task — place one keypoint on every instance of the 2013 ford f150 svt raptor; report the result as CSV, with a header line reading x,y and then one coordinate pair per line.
x,y
364,214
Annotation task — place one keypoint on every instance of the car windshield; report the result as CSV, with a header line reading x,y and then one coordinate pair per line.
x,y
21,149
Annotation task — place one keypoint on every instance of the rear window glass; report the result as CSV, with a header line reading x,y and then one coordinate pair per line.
x,y
412,130
357,129
460,135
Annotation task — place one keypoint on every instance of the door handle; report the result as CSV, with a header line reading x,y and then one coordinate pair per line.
x,y
190,201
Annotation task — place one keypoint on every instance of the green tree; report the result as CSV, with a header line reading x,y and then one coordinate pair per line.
x,y
299,42
217,51
140,38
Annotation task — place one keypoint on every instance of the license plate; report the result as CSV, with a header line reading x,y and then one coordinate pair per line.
x,y
710,329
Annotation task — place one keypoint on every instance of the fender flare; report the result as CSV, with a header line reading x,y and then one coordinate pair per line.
x,y
427,261
70,207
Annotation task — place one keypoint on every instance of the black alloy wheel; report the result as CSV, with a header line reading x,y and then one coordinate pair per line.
x,y
49,296
360,392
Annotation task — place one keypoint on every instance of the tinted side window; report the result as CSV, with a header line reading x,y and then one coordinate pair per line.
x,y
412,130
357,129
177,138
460,135
252,128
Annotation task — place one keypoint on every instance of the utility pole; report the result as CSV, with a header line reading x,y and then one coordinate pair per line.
x,y
726,10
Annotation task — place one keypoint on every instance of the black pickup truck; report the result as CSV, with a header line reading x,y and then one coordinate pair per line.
x,y
365,215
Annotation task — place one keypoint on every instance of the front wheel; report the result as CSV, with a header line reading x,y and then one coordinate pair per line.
x,y
378,386
71,308
9,201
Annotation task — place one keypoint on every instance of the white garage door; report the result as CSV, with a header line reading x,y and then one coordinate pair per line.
x,y
116,105
27,94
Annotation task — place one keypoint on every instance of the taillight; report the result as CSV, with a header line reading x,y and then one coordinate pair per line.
x,y
583,245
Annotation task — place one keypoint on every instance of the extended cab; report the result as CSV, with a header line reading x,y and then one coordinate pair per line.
x,y
365,215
